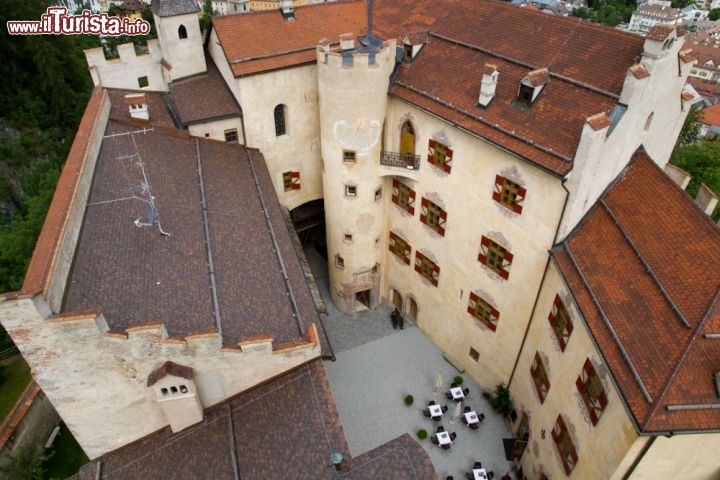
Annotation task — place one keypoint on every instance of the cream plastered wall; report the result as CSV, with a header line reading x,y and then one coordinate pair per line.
x,y
95,378
124,72
600,448
686,456
185,55
653,102
353,103
216,129
466,194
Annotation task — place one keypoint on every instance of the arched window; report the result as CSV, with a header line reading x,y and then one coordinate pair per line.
x,y
182,32
280,113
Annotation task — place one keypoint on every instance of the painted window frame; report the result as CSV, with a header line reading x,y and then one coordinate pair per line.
x,y
592,391
403,196
483,311
509,194
564,444
433,215
495,257
400,247
428,269
560,322
291,181
440,155
538,372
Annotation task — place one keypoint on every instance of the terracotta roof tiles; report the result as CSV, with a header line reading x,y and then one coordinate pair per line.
x,y
644,211
169,368
659,33
639,71
262,41
599,121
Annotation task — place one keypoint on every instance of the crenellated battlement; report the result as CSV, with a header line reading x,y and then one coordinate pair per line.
x,y
116,365
346,53
131,66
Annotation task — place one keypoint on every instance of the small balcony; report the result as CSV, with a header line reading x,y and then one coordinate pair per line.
x,y
407,161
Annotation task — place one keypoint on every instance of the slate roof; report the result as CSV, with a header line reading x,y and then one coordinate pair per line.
x,y
170,8
285,428
674,360
135,275
205,97
262,41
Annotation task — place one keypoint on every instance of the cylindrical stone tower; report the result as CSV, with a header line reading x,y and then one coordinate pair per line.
x,y
353,80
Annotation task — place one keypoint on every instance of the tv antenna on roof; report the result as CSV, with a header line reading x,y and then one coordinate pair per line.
x,y
144,194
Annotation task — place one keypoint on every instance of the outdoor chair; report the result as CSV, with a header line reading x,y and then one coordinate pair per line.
x,y
444,408
491,475
467,408
449,395
474,426
453,435
426,412
453,385
477,465
466,391
440,428
432,402
481,417
446,446
434,440
470,476
464,420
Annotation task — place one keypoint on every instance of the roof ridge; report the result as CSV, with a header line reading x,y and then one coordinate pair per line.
x,y
691,343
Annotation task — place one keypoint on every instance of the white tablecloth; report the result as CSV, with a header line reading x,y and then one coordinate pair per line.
x,y
479,474
444,438
457,393
435,410
471,417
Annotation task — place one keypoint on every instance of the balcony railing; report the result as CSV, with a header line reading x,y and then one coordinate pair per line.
x,y
402,160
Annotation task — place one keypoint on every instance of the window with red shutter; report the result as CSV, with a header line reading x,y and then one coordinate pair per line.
x,y
483,311
560,322
427,268
566,447
495,257
540,377
291,181
432,215
400,248
403,196
592,391
440,155
509,194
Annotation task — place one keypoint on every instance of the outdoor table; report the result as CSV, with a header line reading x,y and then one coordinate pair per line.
x,y
443,438
457,393
435,411
479,474
471,417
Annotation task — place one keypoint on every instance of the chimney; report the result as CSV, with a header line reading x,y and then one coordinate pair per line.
x,y
347,41
137,106
488,84
286,7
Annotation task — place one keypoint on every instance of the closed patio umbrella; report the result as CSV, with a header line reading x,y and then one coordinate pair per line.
x,y
438,384
456,412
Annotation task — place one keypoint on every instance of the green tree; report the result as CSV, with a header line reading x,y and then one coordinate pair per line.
x,y
714,14
206,14
702,162
27,464
691,128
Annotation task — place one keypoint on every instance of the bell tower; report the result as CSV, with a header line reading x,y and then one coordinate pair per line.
x,y
178,29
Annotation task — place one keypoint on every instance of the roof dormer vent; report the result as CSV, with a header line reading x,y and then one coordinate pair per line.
x,y
488,84
531,85
287,9
137,106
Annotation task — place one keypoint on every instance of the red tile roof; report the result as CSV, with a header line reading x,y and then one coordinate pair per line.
x,y
644,211
639,71
711,115
587,63
261,41
659,32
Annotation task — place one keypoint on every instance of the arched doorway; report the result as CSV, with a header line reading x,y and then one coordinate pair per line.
x,y
412,309
396,298
407,139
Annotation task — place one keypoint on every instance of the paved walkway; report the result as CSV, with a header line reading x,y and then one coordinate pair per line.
x,y
376,367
